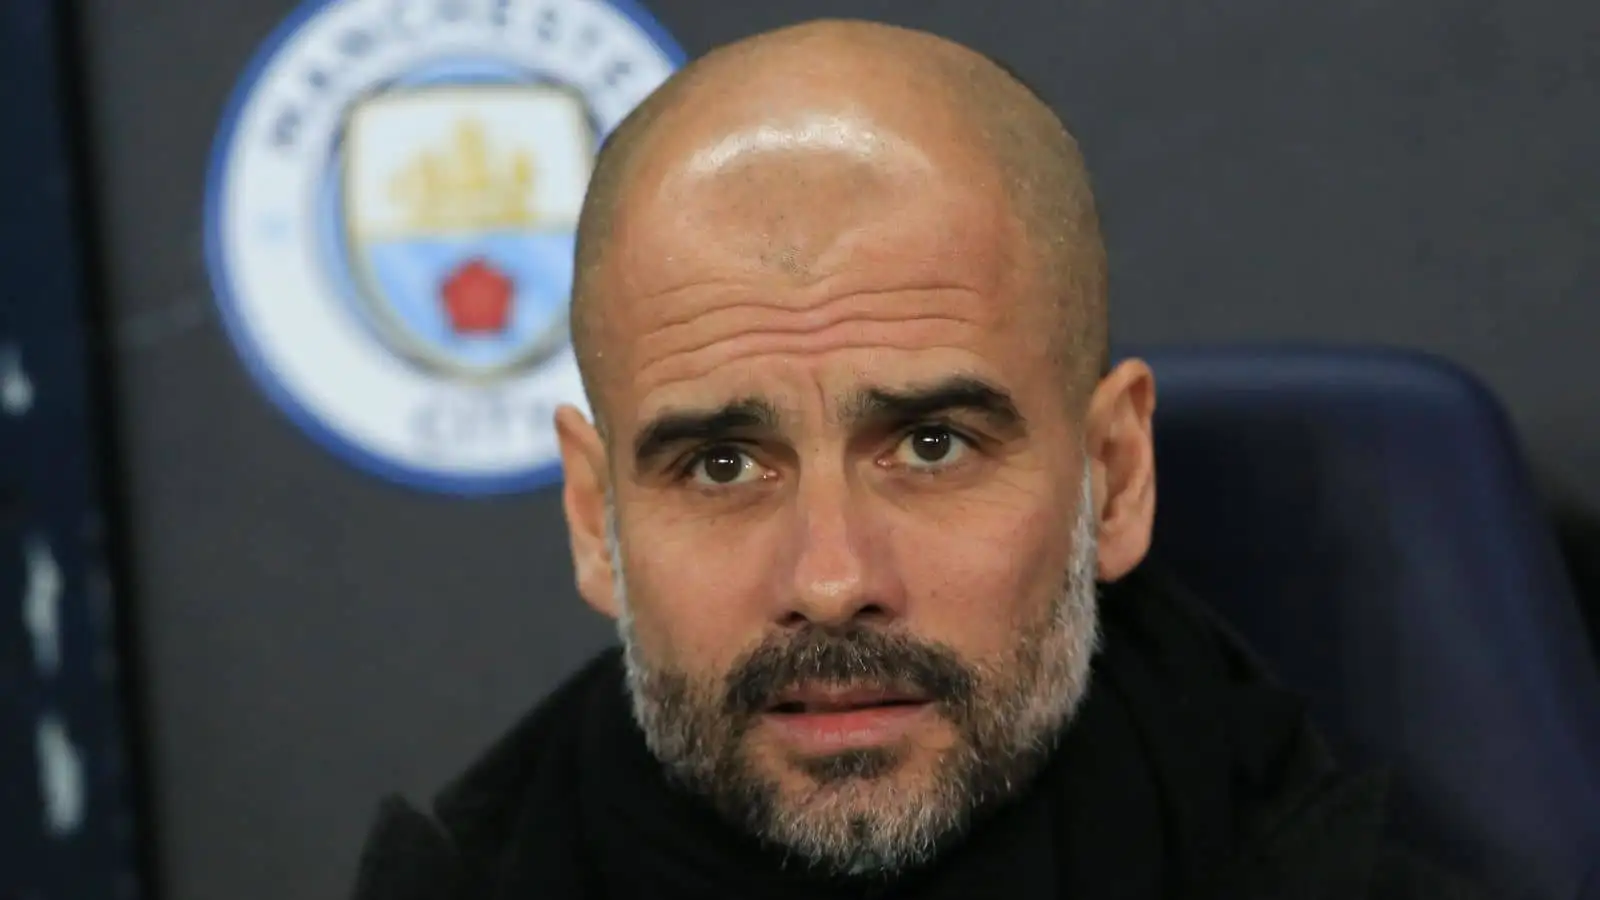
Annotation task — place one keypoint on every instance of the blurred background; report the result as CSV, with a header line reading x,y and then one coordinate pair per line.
x,y
225,640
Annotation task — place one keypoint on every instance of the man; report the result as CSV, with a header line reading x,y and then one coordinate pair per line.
x,y
857,466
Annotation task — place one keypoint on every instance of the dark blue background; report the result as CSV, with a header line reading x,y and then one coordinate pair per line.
x,y
50,467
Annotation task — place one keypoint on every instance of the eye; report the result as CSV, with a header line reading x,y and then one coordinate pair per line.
x,y
931,447
722,466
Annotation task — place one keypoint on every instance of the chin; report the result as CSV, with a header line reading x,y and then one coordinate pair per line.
x,y
863,829
879,810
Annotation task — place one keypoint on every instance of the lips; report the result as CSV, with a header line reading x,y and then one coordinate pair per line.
x,y
825,700
817,721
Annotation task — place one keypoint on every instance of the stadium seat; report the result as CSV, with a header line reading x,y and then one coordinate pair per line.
x,y
1364,518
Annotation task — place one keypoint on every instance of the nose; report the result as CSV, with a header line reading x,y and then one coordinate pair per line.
x,y
843,569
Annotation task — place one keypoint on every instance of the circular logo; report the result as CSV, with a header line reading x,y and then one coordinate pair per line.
x,y
390,218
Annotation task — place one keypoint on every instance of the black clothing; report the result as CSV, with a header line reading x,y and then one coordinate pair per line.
x,y
1186,774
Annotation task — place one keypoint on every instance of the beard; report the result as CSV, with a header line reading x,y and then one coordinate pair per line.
x,y
855,817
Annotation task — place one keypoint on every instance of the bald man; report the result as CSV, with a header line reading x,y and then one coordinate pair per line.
x,y
869,508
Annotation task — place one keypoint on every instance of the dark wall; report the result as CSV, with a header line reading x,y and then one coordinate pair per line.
x,y
1418,173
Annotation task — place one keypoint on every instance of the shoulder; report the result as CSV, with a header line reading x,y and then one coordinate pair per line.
x,y
407,856
1400,875
412,855
1308,826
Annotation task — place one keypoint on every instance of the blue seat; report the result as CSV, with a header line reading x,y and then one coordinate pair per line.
x,y
1363,517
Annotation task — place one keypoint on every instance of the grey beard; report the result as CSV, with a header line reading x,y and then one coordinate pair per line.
x,y
1021,708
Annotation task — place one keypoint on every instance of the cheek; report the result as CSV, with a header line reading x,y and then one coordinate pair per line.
x,y
697,598
983,577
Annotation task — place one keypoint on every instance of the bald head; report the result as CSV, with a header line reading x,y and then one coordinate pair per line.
x,y
858,92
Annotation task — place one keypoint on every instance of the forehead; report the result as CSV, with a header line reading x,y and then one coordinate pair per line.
x,y
755,189
763,252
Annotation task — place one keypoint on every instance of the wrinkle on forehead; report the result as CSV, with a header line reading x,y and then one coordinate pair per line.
x,y
868,226
700,356
930,268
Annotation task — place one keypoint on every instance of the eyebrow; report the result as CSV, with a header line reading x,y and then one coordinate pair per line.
x,y
873,406
675,427
956,394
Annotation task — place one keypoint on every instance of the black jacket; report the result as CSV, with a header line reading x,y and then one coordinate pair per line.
x,y
1187,775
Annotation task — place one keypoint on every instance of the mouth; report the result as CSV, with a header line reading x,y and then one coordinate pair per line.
x,y
824,720
823,702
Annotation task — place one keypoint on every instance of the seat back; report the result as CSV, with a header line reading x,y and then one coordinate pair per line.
x,y
1365,520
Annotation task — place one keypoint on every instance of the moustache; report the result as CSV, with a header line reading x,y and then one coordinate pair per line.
x,y
850,655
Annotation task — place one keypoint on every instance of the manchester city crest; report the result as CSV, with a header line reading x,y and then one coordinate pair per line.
x,y
390,221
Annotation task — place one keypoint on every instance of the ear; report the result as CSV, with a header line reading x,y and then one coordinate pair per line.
x,y
586,477
1122,453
